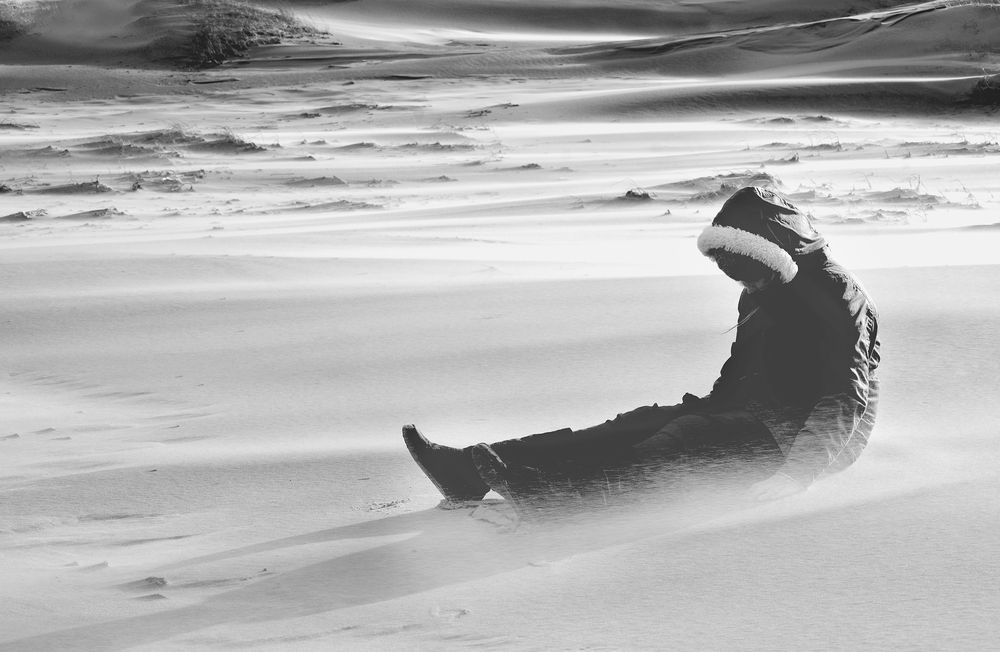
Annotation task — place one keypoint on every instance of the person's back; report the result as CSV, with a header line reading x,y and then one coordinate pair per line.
x,y
806,352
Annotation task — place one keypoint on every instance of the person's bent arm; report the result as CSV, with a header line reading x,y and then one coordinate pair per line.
x,y
730,387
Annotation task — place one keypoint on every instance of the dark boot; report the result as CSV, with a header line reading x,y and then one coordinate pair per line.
x,y
450,469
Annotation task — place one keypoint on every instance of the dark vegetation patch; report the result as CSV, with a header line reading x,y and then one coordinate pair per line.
x,y
986,92
636,195
222,30
11,23
8,29
229,30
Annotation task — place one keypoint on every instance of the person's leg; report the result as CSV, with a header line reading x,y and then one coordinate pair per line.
x,y
566,453
611,439
734,440
554,470
700,431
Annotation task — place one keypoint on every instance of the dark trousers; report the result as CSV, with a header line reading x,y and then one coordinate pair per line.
x,y
646,442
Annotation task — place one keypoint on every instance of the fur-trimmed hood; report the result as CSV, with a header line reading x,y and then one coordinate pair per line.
x,y
760,224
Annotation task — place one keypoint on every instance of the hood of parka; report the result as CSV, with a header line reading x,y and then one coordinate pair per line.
x,y
762,225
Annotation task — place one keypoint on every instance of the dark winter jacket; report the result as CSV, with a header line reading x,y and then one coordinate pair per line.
x,y
806,351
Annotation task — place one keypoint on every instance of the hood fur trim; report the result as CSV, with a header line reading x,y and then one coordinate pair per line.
x,y
748,244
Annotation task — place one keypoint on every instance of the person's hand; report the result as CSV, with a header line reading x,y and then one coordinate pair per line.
x,y
777,486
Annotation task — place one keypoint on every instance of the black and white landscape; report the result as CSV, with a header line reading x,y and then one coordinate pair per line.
x,y
242,244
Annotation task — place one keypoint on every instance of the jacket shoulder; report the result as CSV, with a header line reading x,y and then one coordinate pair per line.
x,y
845,286
837,297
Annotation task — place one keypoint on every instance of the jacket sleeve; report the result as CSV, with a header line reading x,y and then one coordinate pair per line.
x,y
732,386
838,425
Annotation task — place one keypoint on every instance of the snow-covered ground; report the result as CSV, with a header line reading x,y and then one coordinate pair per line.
x,y
222,300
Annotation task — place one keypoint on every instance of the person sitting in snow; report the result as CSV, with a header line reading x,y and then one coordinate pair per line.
x,y
799,388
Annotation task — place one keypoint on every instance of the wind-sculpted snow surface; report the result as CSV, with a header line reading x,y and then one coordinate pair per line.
x,y
224,291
